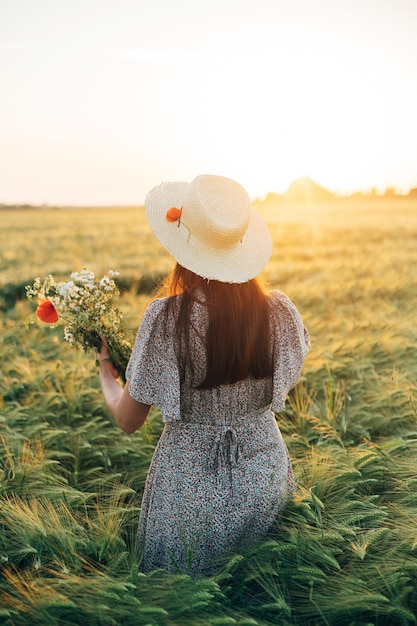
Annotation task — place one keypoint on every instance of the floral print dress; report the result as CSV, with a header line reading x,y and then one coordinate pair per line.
x,y
220,473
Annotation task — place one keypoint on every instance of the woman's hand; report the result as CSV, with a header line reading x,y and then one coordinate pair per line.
x,y
103,361
129,414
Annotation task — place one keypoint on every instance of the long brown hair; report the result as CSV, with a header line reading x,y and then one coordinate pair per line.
x,y
237,340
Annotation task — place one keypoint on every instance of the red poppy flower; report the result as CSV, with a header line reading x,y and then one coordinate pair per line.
x,y
47,312
173,214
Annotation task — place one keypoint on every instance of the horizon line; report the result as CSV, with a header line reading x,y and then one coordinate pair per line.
x,y
303,185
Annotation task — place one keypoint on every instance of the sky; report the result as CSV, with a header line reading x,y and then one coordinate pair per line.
x,y
103,99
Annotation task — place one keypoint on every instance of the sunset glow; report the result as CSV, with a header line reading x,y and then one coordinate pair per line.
x,y
101,100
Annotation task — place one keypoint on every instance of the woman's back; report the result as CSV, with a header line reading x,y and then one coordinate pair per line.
x,y
180,399
221,471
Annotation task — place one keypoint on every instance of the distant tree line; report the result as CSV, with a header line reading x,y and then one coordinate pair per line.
x,y
303,190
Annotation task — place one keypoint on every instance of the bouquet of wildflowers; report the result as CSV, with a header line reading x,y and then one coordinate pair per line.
x,y
86,306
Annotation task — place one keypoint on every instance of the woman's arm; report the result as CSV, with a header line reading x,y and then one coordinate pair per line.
x,y
129,414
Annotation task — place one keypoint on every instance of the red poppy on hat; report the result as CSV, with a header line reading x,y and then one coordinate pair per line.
x,y
173,214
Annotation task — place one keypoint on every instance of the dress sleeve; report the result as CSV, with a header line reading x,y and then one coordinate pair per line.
x,y
152,371
290,345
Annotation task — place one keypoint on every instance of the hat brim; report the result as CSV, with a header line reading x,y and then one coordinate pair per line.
x,y
236,265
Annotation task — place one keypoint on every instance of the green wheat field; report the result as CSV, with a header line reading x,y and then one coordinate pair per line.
x,y
345,550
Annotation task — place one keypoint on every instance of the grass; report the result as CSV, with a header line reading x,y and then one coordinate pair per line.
x,y
345,550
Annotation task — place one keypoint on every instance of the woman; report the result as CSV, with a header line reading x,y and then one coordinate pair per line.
x,y
218,356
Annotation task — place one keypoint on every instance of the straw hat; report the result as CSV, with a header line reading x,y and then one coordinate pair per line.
x,y
210,228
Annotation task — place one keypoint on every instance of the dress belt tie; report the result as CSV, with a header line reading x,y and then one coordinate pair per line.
x,y
225,451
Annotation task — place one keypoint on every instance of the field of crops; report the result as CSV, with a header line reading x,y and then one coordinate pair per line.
x,y
345,551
